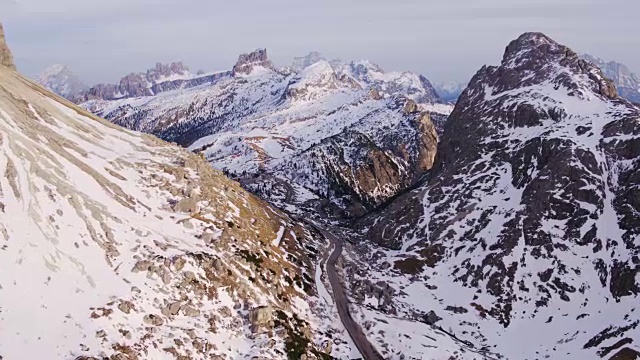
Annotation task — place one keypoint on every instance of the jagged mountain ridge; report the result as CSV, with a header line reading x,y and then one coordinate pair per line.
x,y
160,78
263,120
524,239
627,83
62,81
118,245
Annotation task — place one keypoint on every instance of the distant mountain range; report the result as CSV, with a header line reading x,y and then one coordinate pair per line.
x,y
347,133
627,82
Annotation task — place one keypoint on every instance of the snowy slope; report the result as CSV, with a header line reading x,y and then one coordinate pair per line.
x,y
116,244
261,120
525,237
62,81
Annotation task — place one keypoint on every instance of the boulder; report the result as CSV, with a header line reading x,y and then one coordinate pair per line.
x,y
432,318
261,318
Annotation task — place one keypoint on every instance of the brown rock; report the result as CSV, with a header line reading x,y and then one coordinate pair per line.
x,y
6,58
154,320
126,306
190,311
246,62
260,317
171,309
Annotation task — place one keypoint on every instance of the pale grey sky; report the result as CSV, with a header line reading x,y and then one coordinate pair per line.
x,y
445,40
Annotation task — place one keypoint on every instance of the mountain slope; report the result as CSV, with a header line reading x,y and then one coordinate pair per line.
x,y
116,244
525,237
62,81
628,83
263,121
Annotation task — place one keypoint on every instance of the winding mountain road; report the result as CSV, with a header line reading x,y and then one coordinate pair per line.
x,y
339,297
342,303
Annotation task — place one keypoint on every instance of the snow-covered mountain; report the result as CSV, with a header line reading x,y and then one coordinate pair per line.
x,y
450,91
386,84
291,127
117,245
524,238
62,81
627,82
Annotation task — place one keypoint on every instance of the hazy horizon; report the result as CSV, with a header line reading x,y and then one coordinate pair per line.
x,y
101,42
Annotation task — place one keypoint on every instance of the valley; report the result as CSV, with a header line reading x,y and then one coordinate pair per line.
x,y
324,209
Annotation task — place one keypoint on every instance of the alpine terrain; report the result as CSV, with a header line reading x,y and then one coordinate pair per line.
x,y
627,83
117,245
344,136
61,80
524,238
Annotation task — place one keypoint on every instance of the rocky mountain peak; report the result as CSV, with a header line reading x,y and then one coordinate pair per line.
x,y
530,41
536,59
167,71
247,62
313,81
528,209
62,81
6,58
302,62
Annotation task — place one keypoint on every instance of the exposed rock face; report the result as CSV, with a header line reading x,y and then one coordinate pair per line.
x,y
627,82
533,205
6,58
166,71
247,62
161,78
364,166
261,318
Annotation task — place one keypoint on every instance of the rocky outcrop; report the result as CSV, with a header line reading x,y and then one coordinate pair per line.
x,y
162,72
261,318
247,62
6,58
